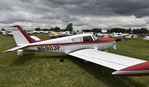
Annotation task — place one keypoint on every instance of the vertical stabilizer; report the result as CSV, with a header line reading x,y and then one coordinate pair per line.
x,y
20,36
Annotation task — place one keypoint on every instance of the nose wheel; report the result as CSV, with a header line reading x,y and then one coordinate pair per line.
x,y
61,60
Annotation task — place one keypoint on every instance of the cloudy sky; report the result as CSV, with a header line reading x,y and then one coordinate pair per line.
x,y
82,13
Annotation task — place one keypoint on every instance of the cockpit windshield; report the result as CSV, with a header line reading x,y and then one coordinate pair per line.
x,y
95,37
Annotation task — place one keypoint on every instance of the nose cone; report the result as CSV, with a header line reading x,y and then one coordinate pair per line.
x,y
141,69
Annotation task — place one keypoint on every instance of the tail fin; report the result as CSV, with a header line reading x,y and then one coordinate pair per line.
x,y
20,36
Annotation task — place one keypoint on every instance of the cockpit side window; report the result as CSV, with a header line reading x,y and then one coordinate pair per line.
x,y
87,38
95,37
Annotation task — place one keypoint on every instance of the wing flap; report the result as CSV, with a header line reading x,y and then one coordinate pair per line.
x,y
110,60
16,48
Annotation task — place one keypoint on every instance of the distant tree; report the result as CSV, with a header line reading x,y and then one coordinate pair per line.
x,y
144,30
3,29
57,29
123,30
140,31
96,30
52,29
86,30
117,30
136,31
45,29
128,30
37,29
69,27
109,31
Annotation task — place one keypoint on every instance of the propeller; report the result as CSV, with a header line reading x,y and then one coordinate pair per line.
x,y
114,46
117,40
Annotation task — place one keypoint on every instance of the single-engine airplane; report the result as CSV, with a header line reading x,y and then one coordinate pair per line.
x,y
84,46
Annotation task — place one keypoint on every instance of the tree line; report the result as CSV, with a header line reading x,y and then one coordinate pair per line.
x,y
69,27
120,30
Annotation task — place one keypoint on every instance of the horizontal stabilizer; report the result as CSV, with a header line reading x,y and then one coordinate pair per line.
x,y
16,48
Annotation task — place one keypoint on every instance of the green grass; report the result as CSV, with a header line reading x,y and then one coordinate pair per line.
x,y
41,69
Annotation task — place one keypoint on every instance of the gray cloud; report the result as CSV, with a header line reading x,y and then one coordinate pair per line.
x,y
129,7
82,13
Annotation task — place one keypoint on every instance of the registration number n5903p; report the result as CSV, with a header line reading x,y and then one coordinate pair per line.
x,y
48,48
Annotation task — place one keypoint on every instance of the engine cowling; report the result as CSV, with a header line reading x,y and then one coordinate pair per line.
x,y
20,52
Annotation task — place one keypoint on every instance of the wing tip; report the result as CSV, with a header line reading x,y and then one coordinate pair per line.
x,y
7,51
141,69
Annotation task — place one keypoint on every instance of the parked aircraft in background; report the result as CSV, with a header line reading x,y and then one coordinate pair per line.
x,y
84,46
146,38
116,34
58,34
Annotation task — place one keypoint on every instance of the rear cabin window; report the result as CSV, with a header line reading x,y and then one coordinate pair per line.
x,y
77,39
87,38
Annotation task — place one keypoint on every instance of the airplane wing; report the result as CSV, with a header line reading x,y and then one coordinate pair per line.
x,y
16,48
124,65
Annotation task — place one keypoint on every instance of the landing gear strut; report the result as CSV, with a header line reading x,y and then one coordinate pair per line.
x,y
20,53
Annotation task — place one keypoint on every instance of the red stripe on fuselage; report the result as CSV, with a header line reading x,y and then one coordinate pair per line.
x,y
25,34
86,42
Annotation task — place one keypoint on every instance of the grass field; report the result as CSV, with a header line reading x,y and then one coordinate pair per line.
x,y
41,69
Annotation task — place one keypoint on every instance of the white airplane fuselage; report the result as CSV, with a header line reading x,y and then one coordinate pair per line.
x,y
67,45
